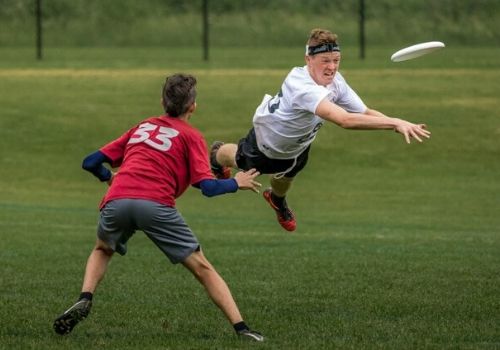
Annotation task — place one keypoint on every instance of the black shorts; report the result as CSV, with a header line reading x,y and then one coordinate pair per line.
x,y
249,156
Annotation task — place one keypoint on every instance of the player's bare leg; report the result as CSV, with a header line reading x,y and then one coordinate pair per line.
x,y
280,186
215,286
220,294
97,264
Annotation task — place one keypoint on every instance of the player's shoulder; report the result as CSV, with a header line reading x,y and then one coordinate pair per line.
x,y
298,73
183,127
339,77
156,120
299,79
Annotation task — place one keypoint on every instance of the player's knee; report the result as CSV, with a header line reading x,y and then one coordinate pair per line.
x,y
281,180
102,247
204,273
204,268
199,265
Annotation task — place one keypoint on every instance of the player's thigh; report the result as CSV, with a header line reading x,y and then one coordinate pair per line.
x,y
115,225
167,229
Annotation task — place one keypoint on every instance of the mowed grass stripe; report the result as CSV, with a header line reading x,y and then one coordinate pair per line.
x,y
134,72
106,72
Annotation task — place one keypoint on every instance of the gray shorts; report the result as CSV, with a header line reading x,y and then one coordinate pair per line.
x,y
164,225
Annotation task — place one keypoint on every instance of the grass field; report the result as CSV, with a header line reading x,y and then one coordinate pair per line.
x,y
397,246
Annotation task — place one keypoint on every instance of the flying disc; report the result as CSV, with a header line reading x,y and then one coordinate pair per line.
x,y
415,51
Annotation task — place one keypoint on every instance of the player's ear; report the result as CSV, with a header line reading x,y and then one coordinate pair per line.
x,y
192,108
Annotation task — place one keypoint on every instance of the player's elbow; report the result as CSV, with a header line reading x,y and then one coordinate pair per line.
x,y
343,122
206,193
208,188
340,118
89,163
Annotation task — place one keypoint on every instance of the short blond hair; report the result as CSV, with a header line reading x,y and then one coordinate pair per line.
x,y
320,36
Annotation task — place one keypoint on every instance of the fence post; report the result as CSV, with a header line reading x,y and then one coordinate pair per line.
x,y
362,29
205,30
38,15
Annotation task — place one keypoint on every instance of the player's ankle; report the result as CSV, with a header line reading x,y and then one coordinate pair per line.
x,y
240,326
278,201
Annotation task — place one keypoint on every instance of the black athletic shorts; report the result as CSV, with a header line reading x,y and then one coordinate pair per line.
x,y
249,156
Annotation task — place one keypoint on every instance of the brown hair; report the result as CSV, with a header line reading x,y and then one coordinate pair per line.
x,y
179,93
321,36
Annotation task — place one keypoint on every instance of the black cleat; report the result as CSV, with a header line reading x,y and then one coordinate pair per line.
x,y
250,335
65,323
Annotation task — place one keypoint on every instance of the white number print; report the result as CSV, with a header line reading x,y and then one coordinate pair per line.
x,y
160,141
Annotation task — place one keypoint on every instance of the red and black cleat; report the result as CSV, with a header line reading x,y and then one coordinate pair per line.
x,y
284,214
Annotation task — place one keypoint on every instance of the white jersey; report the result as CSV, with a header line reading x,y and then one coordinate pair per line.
x,y
285,125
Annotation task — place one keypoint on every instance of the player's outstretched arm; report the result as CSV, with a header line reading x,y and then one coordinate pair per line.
x,y
407,129
333,113
243,180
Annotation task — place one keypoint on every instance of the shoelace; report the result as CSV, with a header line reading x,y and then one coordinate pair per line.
x,y
286,214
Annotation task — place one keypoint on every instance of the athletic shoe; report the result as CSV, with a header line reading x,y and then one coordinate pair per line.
x,y
284,214
250,335
79,311
219,171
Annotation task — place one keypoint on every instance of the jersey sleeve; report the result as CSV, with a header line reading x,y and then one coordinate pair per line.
x,y
93,163
308,96
115,150
199,166
215,187
348,98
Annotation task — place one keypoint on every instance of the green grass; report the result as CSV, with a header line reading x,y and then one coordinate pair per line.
x,y
453,57
397,247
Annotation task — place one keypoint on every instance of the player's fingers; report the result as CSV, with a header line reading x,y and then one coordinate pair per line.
x,y
423,132
407,137
426,135
253,172
414,134
256,190
423,129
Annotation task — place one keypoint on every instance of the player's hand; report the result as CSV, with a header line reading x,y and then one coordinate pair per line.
x,y
412,131
246,180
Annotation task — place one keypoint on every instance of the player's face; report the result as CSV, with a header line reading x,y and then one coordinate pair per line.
x,y
323,66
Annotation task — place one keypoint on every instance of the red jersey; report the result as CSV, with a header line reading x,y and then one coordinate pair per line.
x,y
158,160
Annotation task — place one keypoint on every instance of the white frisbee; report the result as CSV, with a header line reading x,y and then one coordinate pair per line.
x,y
417,50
